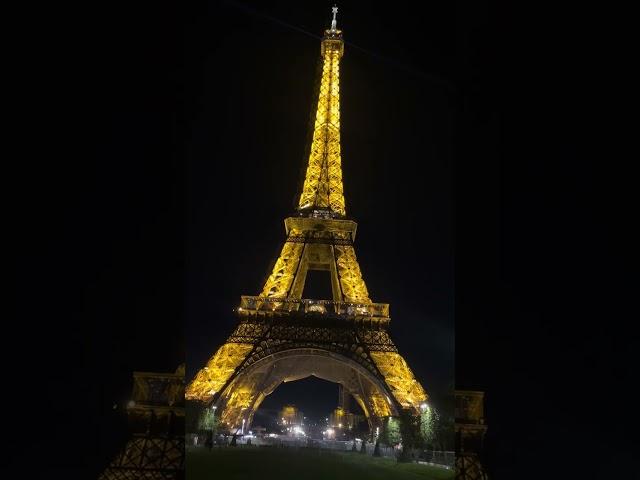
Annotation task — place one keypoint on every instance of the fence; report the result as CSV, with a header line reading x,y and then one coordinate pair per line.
x,y
447,459
432,457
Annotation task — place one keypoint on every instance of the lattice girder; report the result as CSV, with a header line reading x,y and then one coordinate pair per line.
x,y
322,186
279,282
292,335
397,374
148,457
212,378
318,244
350,328
469,467
261,378
370,348
353,287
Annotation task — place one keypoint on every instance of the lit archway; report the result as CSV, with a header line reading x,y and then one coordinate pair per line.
x,y
244,395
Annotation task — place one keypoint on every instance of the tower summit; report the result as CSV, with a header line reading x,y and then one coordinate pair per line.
x,y
322,190
334,10
282,336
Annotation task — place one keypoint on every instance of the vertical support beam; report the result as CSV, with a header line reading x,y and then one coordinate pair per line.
x,y
336,287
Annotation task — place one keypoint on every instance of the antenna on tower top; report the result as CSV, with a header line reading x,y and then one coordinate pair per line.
x,y
333,22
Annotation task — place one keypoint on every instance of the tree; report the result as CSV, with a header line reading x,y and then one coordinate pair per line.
x,y
410,432
437,428
430,426
390,434
445,434
208,419
194,411
444,431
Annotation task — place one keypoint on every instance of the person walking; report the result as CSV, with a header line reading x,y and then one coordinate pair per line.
x,y
209,441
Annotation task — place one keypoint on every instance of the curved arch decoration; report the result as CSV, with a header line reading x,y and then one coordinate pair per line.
x,y
247,390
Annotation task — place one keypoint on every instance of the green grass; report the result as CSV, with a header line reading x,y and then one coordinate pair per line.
x,y
265,463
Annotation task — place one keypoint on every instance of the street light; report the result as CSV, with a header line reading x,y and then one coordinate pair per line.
x,y
213,421
424,406
242,426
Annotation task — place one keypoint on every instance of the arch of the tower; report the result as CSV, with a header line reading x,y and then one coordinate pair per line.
x,y
243,396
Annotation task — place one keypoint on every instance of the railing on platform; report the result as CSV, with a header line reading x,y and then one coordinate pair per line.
x,y
309,306
157,389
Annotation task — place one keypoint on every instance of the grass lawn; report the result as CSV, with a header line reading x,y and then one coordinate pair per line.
x,y
266,463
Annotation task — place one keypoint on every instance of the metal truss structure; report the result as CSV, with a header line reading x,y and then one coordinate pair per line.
x,y
470,429
283,337
469,467
155,449
323,181
152,458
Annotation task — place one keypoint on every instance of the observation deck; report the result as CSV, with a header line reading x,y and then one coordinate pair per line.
x,y
252,305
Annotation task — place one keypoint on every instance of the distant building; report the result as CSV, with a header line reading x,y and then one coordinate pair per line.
x,y
340,418
291,420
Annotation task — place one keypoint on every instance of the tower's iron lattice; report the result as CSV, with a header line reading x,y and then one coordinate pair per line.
x,y
281,336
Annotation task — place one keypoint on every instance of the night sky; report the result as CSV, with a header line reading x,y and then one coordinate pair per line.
x,y
483,162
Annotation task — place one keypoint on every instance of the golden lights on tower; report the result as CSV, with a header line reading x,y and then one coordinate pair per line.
x,y
319,238
322,187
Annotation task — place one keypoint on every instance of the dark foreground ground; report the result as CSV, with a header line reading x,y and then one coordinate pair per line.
x,y
283,464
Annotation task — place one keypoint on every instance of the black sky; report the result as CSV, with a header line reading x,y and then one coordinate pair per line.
x,y
160,146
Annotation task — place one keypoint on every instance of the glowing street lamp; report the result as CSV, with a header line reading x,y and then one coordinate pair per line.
x,y
213,420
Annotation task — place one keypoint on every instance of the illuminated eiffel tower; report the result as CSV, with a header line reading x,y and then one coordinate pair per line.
x,y
283,337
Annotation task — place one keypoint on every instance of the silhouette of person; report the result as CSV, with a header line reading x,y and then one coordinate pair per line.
x,y
209,441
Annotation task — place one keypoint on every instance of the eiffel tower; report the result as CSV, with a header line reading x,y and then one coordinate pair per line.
x,y
284,337
155,448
